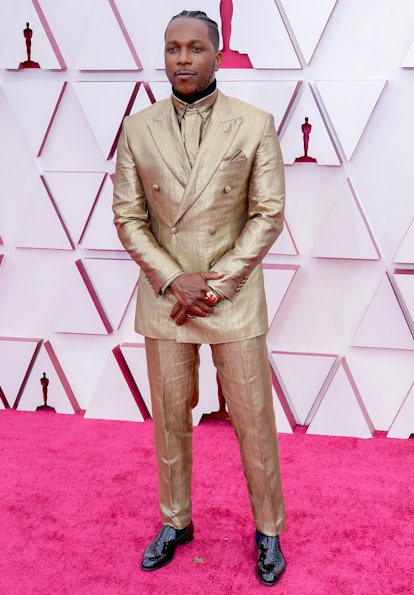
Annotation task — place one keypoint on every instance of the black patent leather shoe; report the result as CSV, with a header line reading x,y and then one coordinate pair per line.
x,y
270,564
162,549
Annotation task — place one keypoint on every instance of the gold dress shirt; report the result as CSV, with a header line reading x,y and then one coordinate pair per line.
x,y
193,119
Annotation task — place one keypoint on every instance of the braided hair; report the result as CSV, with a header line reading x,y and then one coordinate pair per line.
x,y
212,26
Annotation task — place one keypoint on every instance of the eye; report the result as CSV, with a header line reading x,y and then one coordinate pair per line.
x,y
197,48
172,49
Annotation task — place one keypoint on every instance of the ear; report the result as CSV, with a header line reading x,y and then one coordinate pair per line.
x,y
217,61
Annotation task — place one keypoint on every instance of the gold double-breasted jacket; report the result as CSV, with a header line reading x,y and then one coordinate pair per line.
x,y
223,214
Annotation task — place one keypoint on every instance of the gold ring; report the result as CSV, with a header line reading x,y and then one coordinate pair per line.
x,y
211,298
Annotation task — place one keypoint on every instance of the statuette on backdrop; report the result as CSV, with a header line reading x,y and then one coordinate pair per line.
x,y
29,63
230,58
222,412
44,381
306,130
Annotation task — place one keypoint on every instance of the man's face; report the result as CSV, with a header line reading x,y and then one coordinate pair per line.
x,y
190,57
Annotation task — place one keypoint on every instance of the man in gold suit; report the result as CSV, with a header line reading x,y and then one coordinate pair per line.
x,y
198,202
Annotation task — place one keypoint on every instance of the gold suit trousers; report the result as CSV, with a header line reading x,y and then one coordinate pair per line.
x,y
244,373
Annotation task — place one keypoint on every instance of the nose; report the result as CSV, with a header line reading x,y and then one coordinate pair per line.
x,y
184,57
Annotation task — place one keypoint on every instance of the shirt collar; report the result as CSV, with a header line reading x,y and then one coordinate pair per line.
x,y
203,105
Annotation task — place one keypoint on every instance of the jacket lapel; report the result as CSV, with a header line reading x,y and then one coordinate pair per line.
x,y
166,135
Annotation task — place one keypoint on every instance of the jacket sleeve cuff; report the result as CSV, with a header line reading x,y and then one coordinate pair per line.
x,y
165,287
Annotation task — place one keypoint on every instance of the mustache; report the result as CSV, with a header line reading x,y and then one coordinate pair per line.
x,y
184,71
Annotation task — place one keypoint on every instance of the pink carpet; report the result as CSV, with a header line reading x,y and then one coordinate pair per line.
x,y
79,504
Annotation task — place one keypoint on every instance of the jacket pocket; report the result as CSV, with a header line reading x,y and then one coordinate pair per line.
x,y
234,161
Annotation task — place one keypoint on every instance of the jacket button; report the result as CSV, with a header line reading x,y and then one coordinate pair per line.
x,y
155,187
173,230
227,189
212,231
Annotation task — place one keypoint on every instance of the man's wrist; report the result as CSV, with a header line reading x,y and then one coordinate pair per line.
x,y
166,288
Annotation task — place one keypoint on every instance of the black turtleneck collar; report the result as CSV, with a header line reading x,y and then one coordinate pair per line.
x,y
192,98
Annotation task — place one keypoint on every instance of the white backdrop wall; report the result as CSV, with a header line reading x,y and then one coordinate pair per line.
x,y
339,281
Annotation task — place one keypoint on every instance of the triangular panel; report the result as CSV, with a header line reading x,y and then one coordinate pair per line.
x,y
292,140
146,25
134,354
100,233
340,413
78,310
34,105
403,424
9,10
83,358
40,226
126,329
350,105
15,158
277,280
405,253
408,61
282,421
16,356
69,22
308,21
353,240
74,194
113,398
310,195
383,324
405,287
104,105
383,377
263,37
114,282
285,243
70,144
302,376
96,53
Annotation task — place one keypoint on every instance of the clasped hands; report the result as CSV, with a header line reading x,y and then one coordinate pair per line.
x,y
190,291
